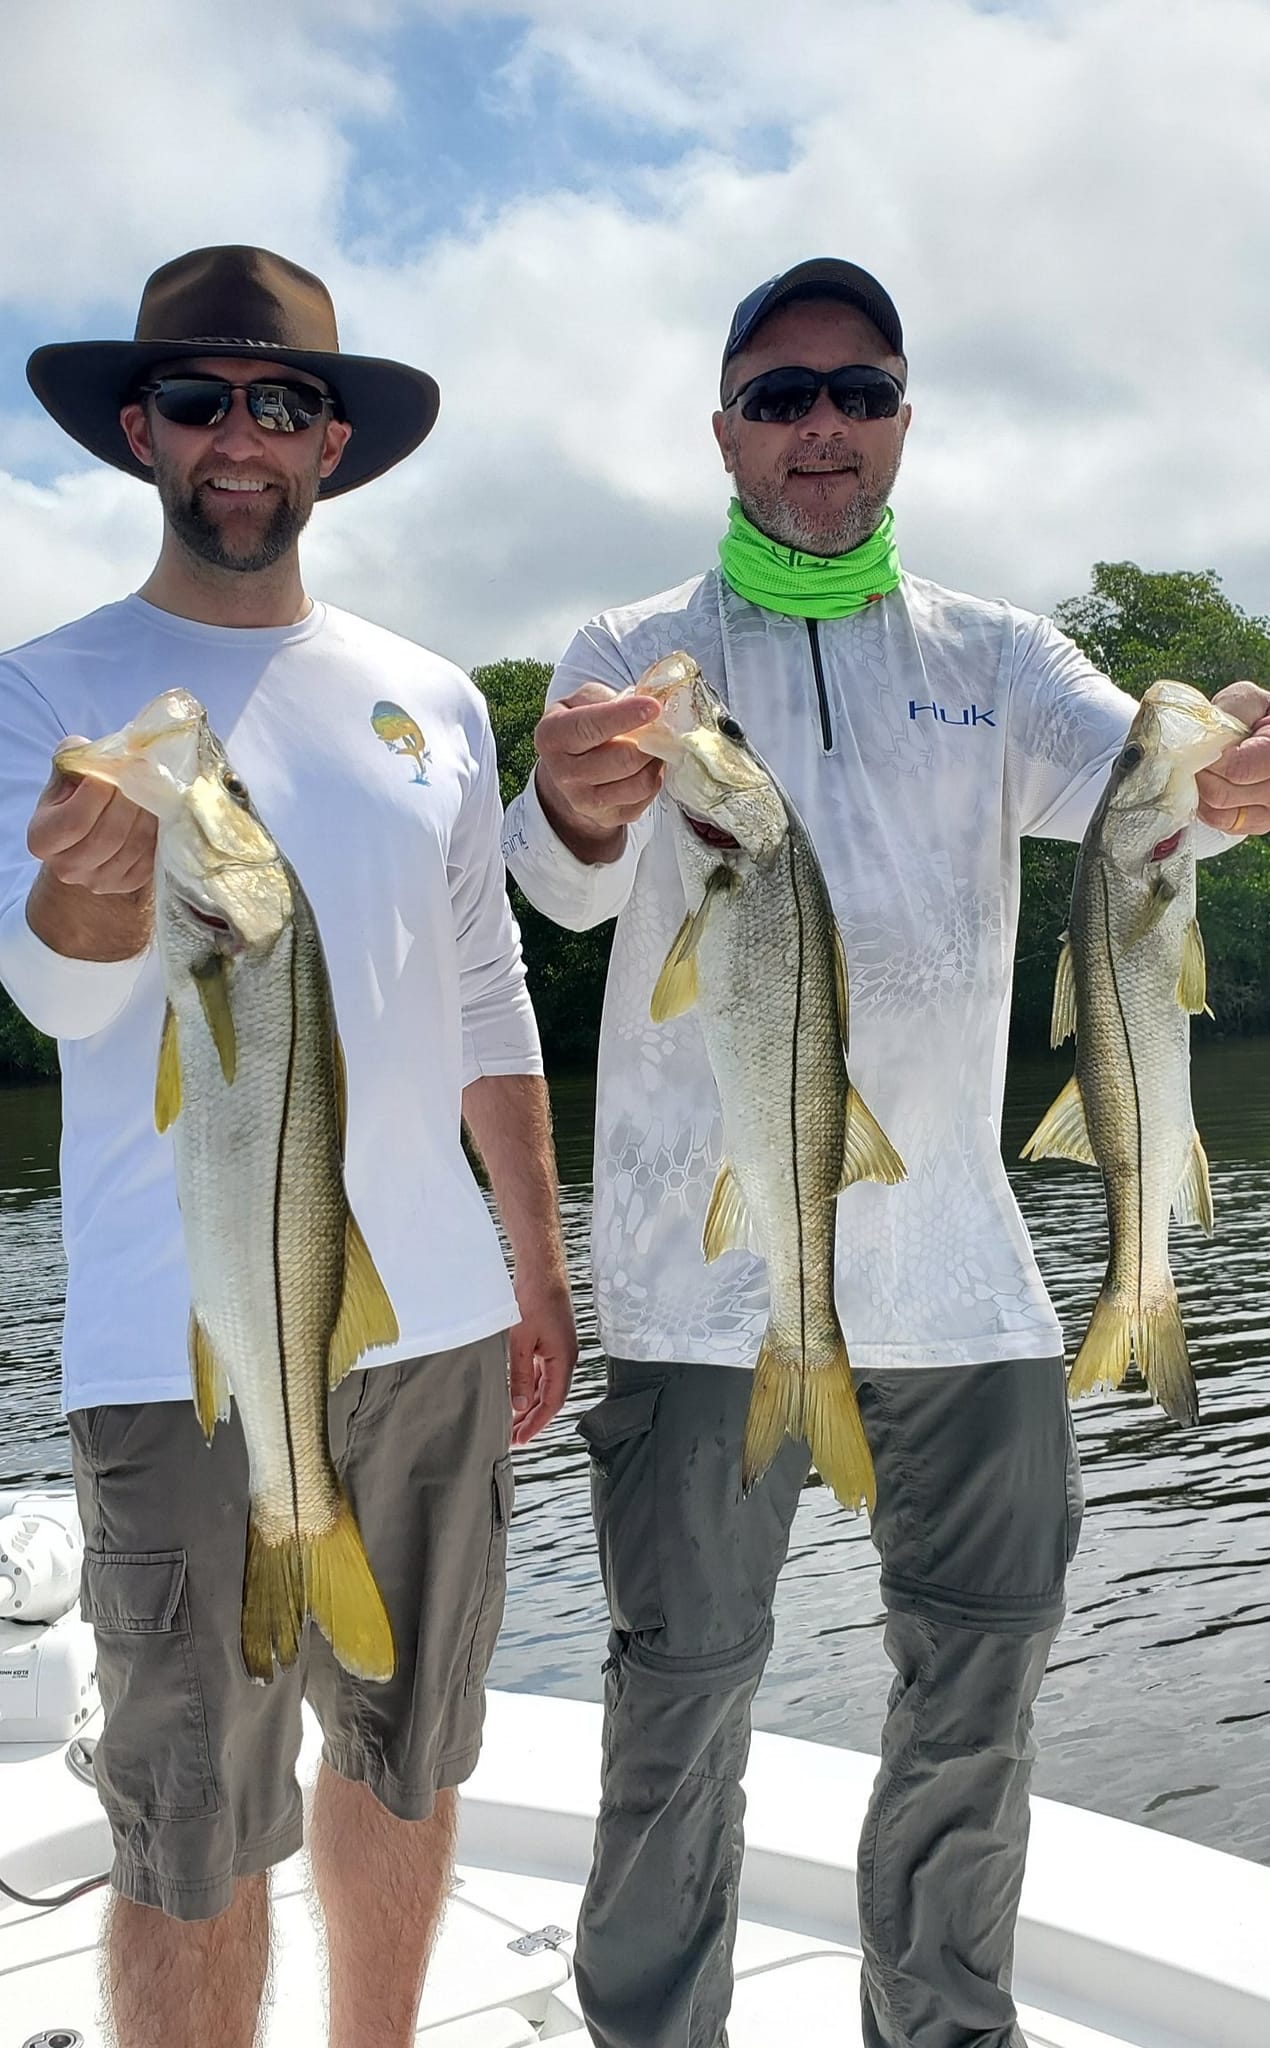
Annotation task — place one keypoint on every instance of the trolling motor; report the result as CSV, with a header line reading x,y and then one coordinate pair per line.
x,y
48,1675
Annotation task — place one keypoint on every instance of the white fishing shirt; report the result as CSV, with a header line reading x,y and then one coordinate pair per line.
x,y
920,740
396,843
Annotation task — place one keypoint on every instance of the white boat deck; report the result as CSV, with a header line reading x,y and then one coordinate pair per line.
x,y
1128,1938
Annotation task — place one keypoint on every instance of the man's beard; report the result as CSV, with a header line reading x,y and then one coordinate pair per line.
x,y
198,530
829,529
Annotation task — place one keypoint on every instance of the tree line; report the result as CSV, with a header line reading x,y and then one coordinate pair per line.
x,y
1133,624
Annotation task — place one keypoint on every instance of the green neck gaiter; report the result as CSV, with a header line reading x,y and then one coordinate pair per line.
x,y
783,579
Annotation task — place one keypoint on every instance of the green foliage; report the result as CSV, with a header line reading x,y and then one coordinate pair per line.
x,y
1137,626
25,1053
566,969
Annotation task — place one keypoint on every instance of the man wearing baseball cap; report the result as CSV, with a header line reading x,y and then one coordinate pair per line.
x,y
372,761
920,734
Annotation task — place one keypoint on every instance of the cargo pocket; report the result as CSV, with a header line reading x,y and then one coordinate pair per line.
x,y
490,1615
618,1432
152,1761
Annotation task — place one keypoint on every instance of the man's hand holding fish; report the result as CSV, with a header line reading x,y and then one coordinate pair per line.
x,y
1235,792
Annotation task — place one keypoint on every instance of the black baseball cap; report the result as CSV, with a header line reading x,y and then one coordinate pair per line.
x,y
822,277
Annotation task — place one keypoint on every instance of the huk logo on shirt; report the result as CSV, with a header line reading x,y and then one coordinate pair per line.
x,y
399,733
969,714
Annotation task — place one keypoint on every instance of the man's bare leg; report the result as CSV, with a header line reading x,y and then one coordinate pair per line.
x,y
188,1983
381,1883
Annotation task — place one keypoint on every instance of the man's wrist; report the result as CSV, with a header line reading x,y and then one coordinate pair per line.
x,y
81,925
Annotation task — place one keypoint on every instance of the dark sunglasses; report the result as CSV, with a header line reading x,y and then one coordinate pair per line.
x,y
194,401
779,397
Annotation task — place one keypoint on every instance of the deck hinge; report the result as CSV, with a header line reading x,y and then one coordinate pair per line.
x,y
533,1944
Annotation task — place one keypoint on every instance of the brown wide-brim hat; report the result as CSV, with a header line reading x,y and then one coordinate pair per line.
x,y
236,301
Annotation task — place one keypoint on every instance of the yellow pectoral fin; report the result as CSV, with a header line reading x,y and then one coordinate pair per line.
x,y
211,1388
1161,893
366,1318
1063,1132
1063,1015
727,1227
211,979
677,987
167,1082
867,1152
1192,982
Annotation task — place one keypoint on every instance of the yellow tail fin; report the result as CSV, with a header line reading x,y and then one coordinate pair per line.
x,y
327,1576
1159,1344
1153,1336
273,1604
818,1405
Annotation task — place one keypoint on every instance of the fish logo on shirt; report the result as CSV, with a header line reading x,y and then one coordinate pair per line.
x,y
399,733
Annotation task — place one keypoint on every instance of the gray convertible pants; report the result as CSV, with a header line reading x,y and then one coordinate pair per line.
x,y
979,1507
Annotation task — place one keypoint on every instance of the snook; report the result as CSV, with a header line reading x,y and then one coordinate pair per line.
x,y
284,1294
1130,975
760,956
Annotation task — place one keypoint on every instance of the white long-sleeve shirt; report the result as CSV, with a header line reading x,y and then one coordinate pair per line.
x,y
920,740
400,859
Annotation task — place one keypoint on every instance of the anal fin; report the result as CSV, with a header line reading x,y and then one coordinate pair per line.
x,y
867,1152
1063,1132
367,1317
1193,1201
728,1226
207,1376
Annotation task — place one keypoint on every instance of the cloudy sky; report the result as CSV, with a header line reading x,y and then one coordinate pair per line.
x,y
554,206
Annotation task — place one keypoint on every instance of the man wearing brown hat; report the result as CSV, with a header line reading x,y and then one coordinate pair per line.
x,y
373,763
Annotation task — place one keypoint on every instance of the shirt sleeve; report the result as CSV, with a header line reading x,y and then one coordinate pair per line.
x,y
571,892
63,997
1067,723
500,1031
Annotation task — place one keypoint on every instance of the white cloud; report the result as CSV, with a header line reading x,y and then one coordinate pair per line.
x,y
1066,203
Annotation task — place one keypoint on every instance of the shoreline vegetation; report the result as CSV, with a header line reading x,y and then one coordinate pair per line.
x,y
1134,625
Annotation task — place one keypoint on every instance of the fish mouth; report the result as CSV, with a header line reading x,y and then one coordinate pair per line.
x,y
713,835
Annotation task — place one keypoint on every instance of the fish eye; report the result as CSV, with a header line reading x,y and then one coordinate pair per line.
x,y
1132,754
729,727
234,786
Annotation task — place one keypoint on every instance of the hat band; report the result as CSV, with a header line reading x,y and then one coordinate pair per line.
x,y
232,341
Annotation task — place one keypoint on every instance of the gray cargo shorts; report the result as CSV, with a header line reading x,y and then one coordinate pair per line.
x,y
195,1765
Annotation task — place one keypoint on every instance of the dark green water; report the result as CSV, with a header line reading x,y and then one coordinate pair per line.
x,y
1157,1703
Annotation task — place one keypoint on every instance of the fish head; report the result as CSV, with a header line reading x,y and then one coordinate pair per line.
x,y
222,872
1151,798
724,793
